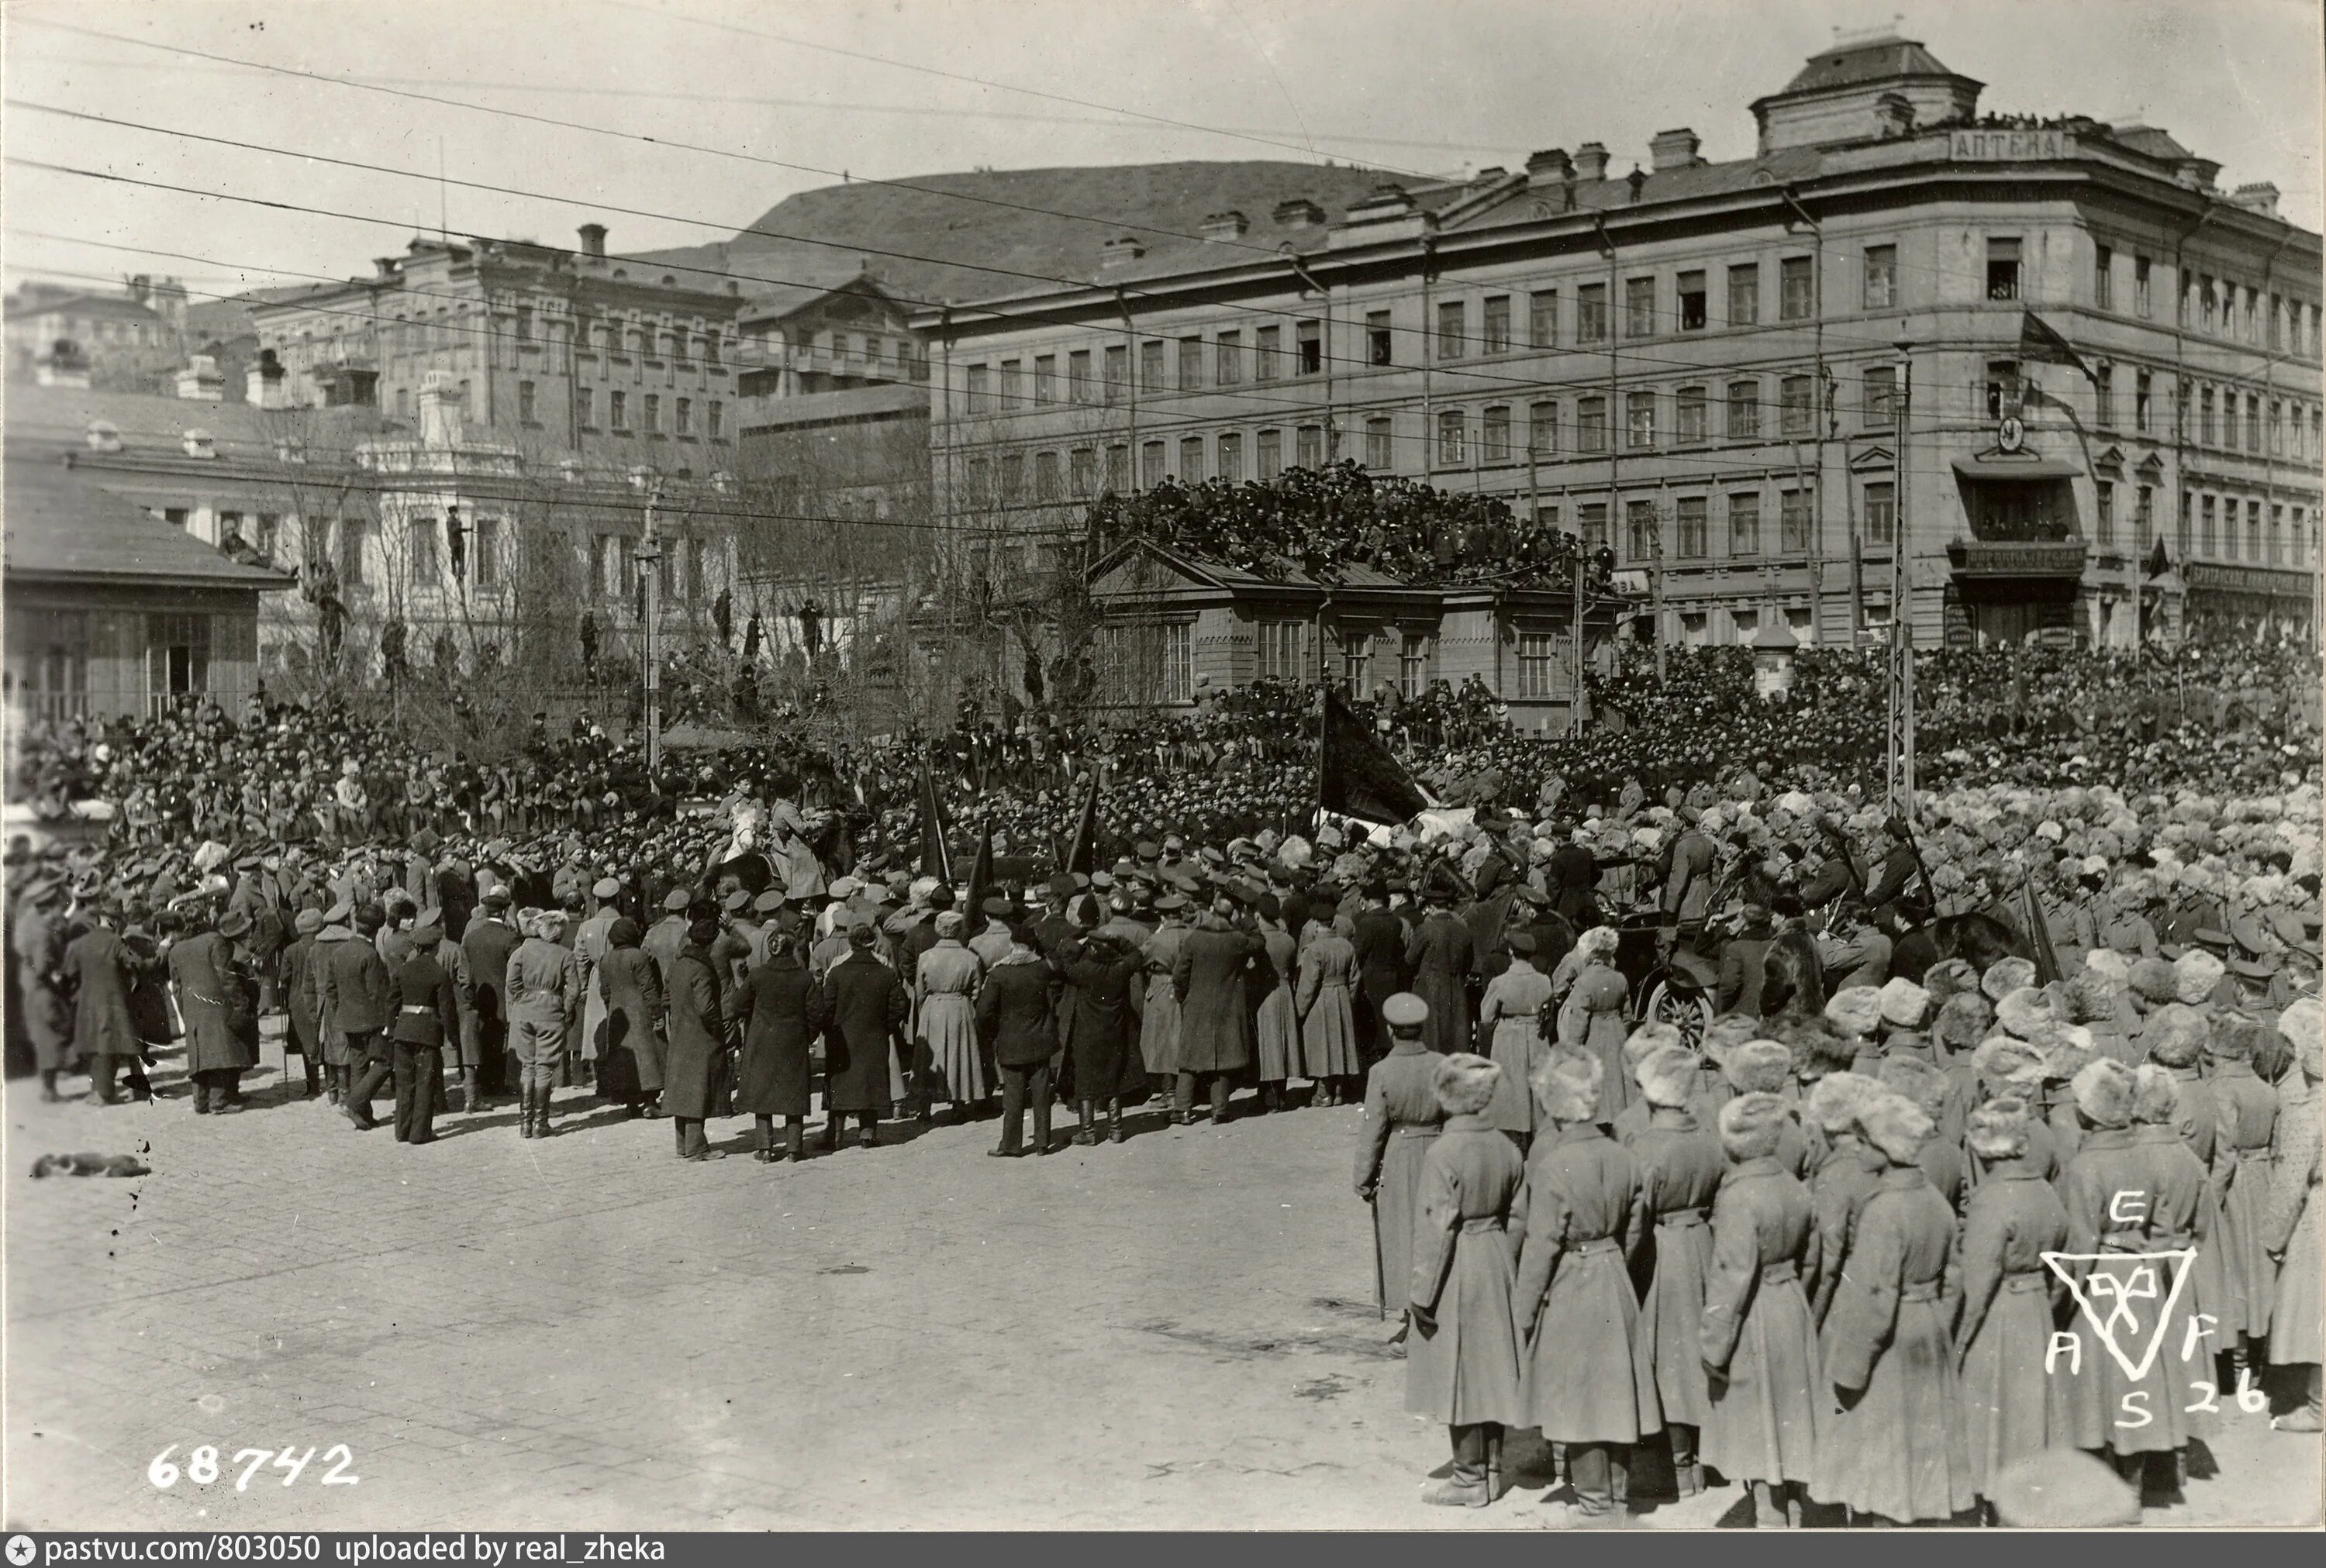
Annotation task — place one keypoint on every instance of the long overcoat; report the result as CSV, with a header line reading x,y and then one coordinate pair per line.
x,y
221,1012
1760,1349
1402,1118
631,1064
1325,1001
698,1037
303,1021
1584,1375
1592,1019
944,986
2247,1110
1509,1016
865,1013
1208,979
2003,1328
1101,1030
1158,1032
2294,1317
98,972
1462,1357
781,1008
1680,1169
1441,960
1276,1022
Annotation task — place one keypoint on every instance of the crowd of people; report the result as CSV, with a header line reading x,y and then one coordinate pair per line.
x,y
2102,899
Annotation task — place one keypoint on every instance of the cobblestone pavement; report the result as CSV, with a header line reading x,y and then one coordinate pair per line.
x,y
586,1332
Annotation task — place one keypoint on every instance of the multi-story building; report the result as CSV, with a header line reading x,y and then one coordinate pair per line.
x,y
117,341
562,353
1700,365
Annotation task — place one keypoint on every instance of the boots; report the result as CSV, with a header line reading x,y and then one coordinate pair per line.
x,y
1114,1119
528,1114
49,1095
313,1078
1084,1137
541,1094
794,1139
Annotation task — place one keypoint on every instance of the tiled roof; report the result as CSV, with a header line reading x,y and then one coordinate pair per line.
x,y
1613,193
61,415
112,305
62,525
1872,60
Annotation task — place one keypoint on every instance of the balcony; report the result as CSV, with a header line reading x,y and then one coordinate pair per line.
x,y
1976,558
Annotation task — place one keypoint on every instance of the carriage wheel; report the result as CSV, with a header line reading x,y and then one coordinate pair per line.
x,y
1691,1016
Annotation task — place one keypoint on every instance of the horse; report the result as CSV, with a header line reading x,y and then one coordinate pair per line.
x,y
1977,938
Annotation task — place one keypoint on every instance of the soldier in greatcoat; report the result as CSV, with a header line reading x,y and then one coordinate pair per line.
x,y
1401,1116
1158,1032
1441,959
538,990
1680,1166
694,997
630,983
1510,1030
2247,1109
1584,1382
867,1012
1215,1022
1102,1032
1462,1362
488,942
220,1010
2003,1326
781,1010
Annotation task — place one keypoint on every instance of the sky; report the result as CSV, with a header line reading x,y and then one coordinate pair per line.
x,y
778,100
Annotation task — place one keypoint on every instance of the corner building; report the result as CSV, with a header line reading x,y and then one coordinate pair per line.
x,y
1699,365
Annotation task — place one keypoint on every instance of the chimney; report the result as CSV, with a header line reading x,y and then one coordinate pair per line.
x,y
1491,173
1120,252
263,382
1221,227
141,287
439,412
1549,167
2260,198
104,436
593,241
199,444
1299,212
200,380
1591,160
383,269
1670,149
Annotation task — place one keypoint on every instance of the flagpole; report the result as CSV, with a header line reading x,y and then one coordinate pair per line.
x,y
1323,722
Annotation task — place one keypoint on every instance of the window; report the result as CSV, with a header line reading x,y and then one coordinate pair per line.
x,y
1542,429
1271,450
2276,322
715,424
1046,477
2205,298
1451,425
1379,348
1277,644
1082,472
1311,337
425,534
1881,514
1413,666
683,413
2143,392
1357,663
979,384
1591,313
1592,518
2277,429
618,410
1309,443
1542,318
1880,276
1691,530
1450,321
1793,521
1692,305
2249,326
524,323
2253,529
1268,343
1497,326
2104,277
1191,460
1150,366
978,480
178,658
1744,294
653,414
711,356
1232,458
1013,386
1494,434
1118,467
1179,663
2002,268
1639,420
269,534
2205,417
1538,663
1227,368
1641,540
1078,375
351,552
2276,535
1045,378
1591,425
2205,526
1118,370
2144,512
2140,285
1191,364
1879,403
2002,390
1795,407
1013,477
1688,416
2253,423
2104,513
1796,288
1744,524
2103,397
524,409
1744,410
1150,463
1638,307
485,554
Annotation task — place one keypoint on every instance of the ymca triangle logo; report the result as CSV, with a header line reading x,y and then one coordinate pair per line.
x,y
2127,1298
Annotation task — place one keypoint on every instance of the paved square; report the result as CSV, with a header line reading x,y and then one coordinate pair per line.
x,y
1177,1332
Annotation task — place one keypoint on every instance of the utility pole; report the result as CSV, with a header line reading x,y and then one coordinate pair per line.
x,y
648,556
1899,758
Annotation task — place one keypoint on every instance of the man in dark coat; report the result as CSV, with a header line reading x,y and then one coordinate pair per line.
x,y
780,1008
99,973
1102,1032
355,995
427,1011
1380,941
1743,959
37,938
868,1012
698,1039
488,943
220,1014
1442,961
630,1066
1014,1015
1216,1022
302,1019
1568,877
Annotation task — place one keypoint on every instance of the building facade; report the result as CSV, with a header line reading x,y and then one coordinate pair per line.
x,y
1700,366
118,341
562,353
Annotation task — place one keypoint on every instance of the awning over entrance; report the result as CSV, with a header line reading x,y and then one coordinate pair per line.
x,y
1991,468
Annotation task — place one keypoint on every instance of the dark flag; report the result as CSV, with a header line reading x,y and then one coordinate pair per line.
x,y
2159,562
1081,850
2038,935
937,833
1356,776
981,878
2038,342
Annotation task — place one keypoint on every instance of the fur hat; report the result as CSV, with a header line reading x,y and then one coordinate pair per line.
x,y
1567,1084
1644,1041
1904,1004
2175,1034
2155,1095
1751,1125
2089,997
2001,1060
2303,1025
1924,1085
2103,1090
1726,1032
2005,976
1963,1021
1855,1010
1950,978
1836,1100
2153,981
1759,1067
1894,1125
1998,1130
2028,1012
1465,1084
1667,1076
2064,1057
2195,973
2110,964
1818,1048
2237,1039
